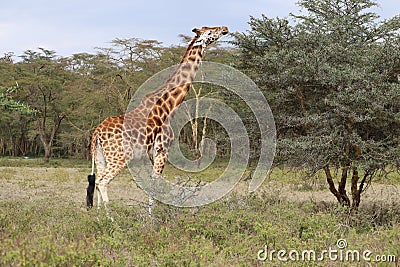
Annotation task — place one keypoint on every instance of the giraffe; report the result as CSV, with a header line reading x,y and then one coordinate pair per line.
x,y
145,131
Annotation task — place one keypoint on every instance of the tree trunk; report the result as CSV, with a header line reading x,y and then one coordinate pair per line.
x,y
355,193
47,139
342,187
202,145
357,190
332,187
47,152
341,194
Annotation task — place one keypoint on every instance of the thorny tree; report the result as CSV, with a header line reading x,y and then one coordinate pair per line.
x,y
332,79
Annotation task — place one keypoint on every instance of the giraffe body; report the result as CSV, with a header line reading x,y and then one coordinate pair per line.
x,y
145,131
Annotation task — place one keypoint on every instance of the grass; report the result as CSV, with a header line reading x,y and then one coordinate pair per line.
x,y
39,162
43,222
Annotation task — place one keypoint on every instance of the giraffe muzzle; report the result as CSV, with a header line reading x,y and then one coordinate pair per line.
x,y
224,30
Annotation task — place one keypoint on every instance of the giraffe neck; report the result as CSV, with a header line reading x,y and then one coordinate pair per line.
x,y
187,68
177,86
168,96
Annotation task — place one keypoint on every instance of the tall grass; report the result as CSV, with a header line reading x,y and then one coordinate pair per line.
x,y
46,224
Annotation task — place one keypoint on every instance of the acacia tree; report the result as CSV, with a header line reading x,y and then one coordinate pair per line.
x,y
129,63
14,118
42,76
332,78
71,95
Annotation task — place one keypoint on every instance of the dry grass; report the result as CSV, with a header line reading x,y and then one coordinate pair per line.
x,y
43,220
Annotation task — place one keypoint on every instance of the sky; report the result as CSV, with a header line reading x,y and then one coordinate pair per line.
x,y
77,26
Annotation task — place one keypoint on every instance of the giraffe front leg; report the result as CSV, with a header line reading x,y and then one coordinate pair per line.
x,y
151,203
159,160
158,167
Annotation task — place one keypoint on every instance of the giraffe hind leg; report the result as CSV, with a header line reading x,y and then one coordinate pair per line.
x,y
99,198
101,168
102,190
109,169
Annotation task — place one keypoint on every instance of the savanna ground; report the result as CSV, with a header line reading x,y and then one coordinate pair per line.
x,y
44,221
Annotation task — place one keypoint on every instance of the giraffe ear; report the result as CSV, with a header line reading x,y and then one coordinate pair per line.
x,y
197,31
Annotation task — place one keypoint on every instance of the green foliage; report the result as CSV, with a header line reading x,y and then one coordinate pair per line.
x,y
331,77
72,95
10,105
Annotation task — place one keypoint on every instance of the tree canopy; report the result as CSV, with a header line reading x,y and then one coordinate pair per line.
x,y
332,77
51,104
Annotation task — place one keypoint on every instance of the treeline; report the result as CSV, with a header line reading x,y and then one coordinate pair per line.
x,y
51,104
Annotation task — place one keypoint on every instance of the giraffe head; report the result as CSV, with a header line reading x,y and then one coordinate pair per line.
x,y
207,35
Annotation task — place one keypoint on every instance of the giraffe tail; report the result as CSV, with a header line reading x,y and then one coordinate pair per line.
x,y
90,190
91,177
